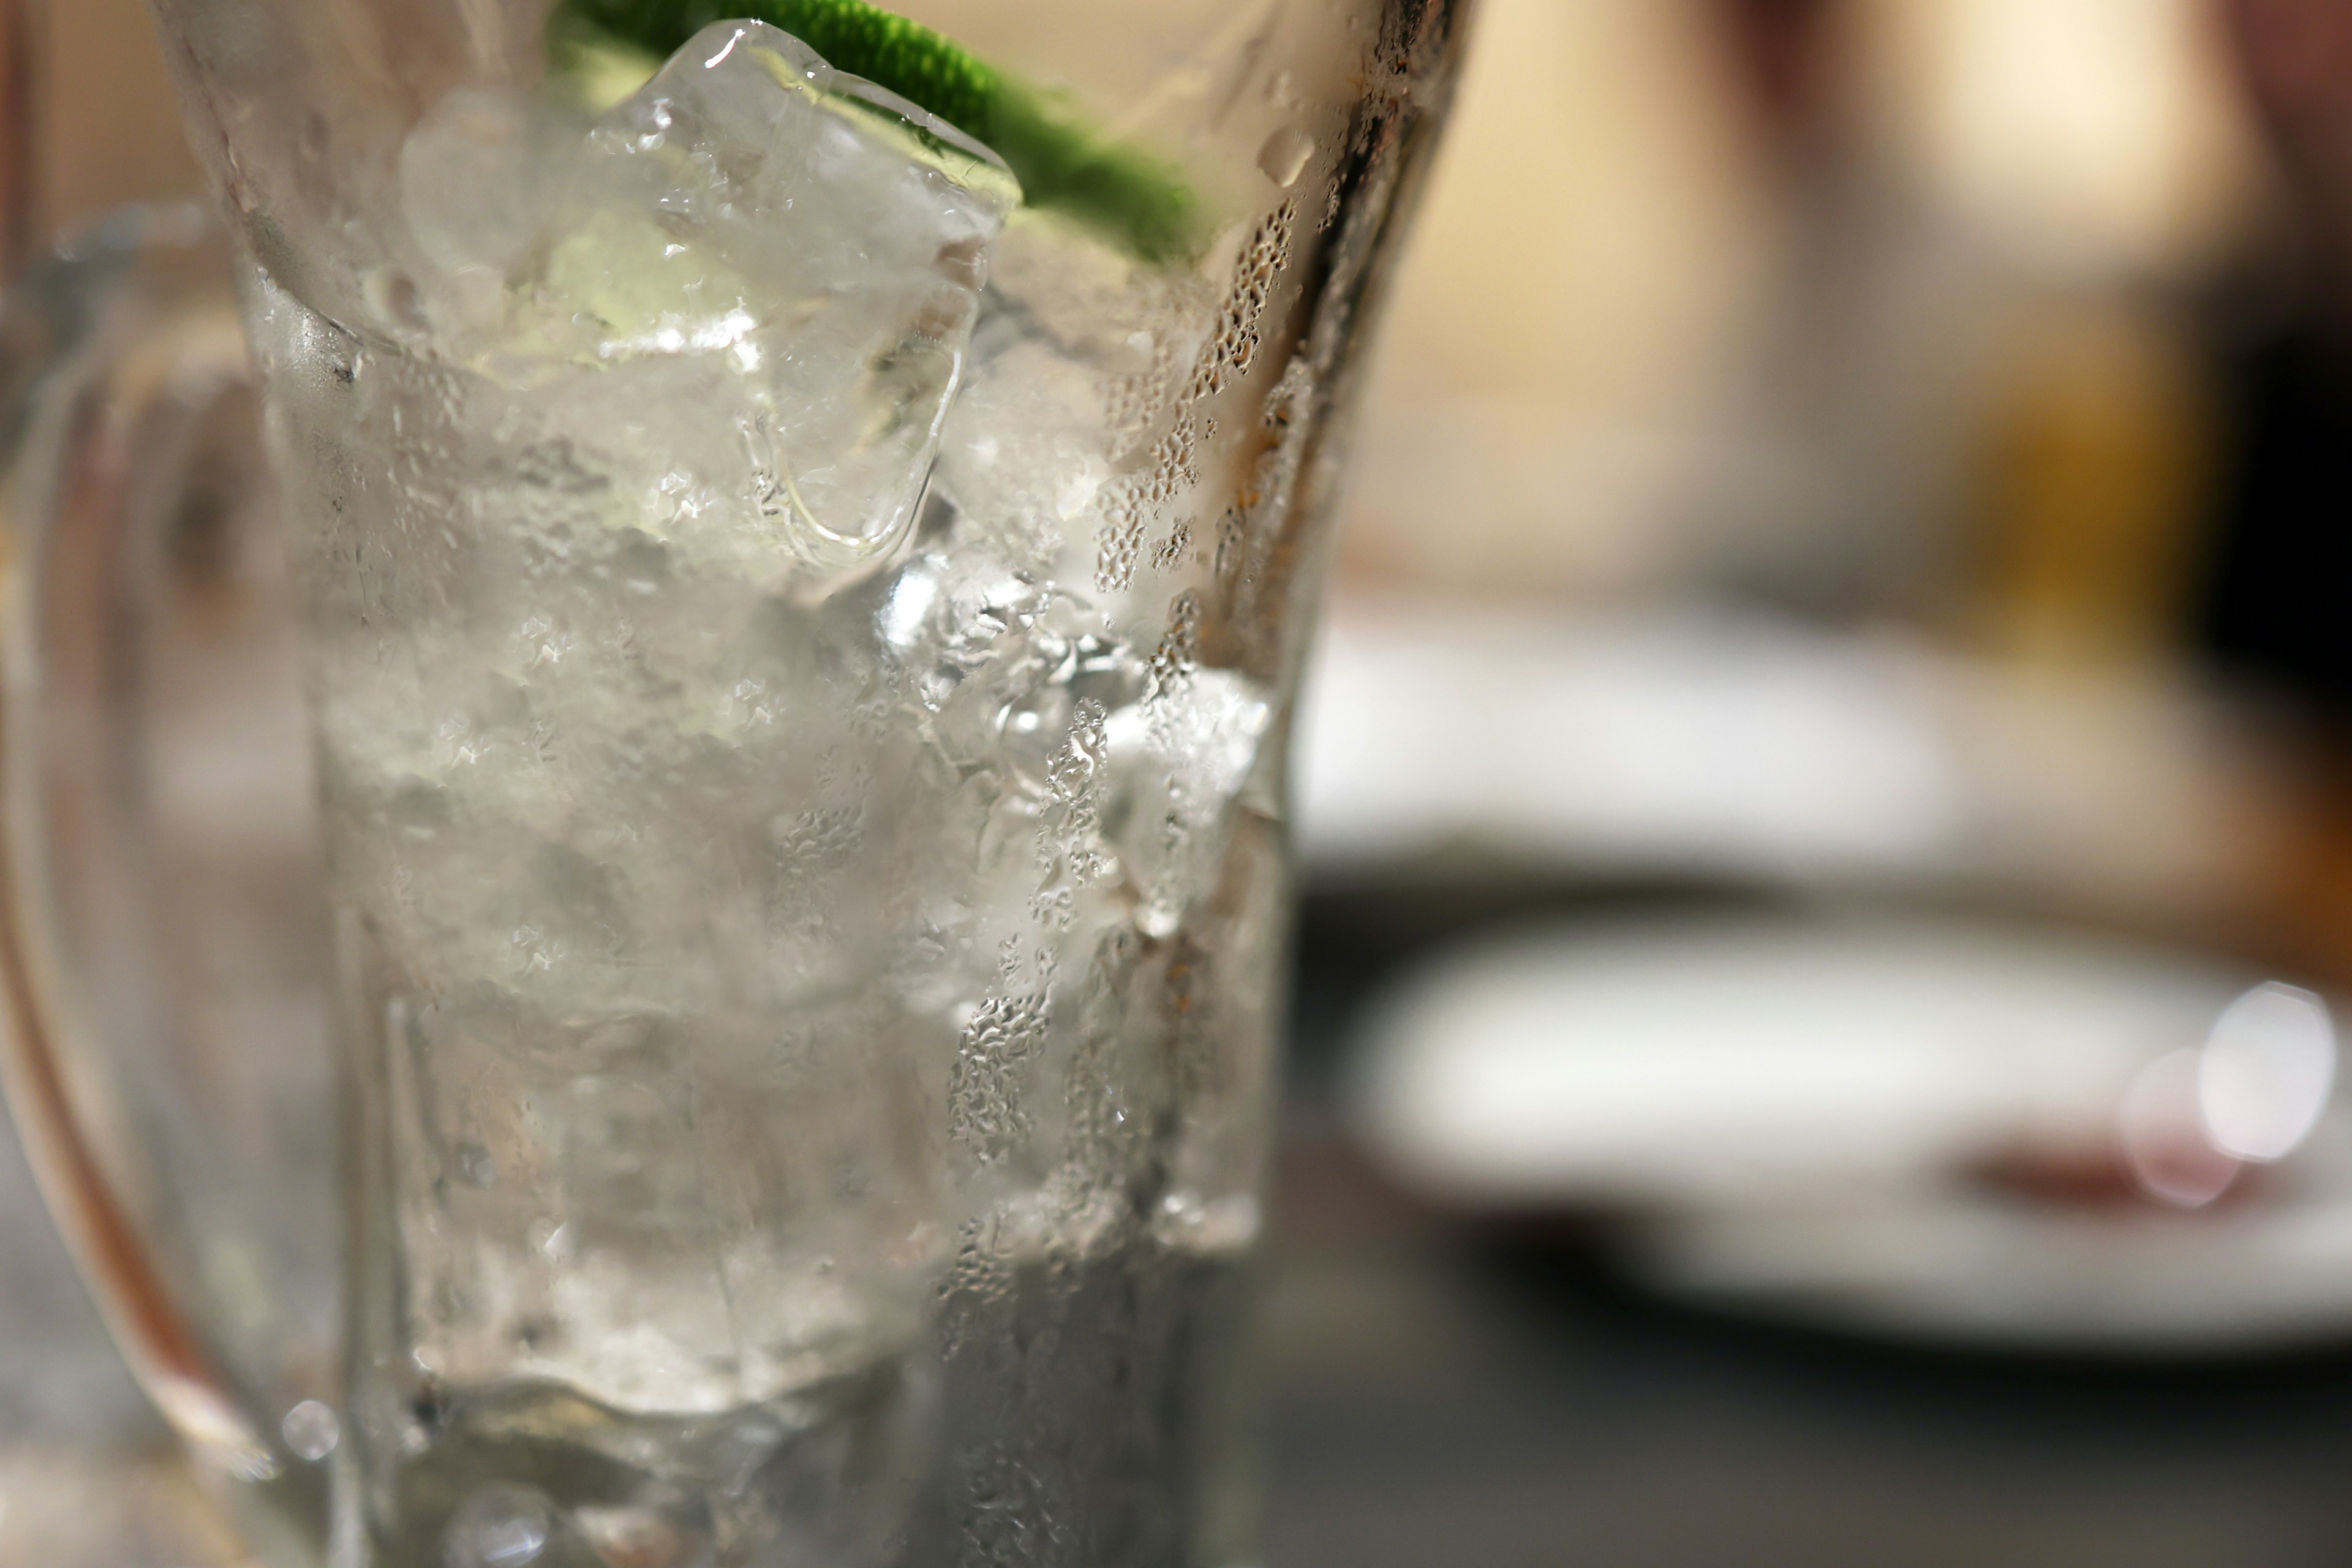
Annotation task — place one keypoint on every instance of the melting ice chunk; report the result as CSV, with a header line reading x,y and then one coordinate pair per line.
x,y
820,242
1184,757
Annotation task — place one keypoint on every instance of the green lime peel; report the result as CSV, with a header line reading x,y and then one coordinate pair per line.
x,y
1064,164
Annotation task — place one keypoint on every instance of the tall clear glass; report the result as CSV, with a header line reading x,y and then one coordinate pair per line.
x,y
802,615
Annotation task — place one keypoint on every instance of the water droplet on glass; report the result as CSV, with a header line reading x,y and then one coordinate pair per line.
x,y
552,1241
394,295
475,1163
1205,1225
634,1535
501,1526
1284,156
311,1430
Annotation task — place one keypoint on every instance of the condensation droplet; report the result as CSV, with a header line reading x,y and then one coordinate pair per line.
x,y
311,1430
1284,156
553,1240
393,294
477,1164
501,1526
633,1535
1203,1224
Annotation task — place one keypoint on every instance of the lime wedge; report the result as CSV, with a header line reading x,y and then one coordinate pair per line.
x,y
1064,164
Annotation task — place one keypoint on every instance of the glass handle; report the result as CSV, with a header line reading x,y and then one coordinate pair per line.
x,y
113,356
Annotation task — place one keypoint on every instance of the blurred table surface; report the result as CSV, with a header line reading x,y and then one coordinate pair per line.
x,y
1443,1398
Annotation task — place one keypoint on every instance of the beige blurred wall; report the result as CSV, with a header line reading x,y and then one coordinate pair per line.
x,y
113,130
1607,372
1593,237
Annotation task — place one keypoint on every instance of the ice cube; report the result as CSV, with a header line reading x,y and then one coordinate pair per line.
x,y
814,246
1182,757
830,239
472,188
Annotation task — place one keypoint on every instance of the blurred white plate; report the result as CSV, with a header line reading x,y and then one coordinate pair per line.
x,y
1516,742
1876,1123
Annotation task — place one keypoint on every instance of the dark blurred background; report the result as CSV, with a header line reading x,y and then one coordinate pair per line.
x,y
1826,814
